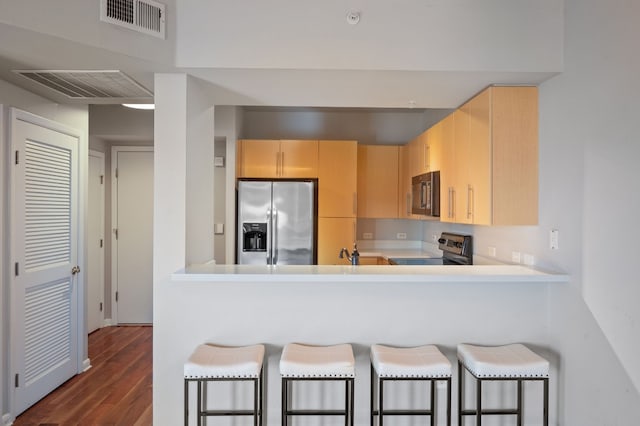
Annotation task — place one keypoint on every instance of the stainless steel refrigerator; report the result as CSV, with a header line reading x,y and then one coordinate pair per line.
x,y
277,222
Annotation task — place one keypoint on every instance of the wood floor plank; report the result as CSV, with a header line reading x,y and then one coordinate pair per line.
x,y
116,390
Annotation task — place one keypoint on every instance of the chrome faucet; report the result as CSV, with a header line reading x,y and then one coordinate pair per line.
x,y
354,257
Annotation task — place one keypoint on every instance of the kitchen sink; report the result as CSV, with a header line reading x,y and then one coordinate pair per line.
x,y
415,261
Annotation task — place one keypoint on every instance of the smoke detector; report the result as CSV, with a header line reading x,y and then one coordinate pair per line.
x,y
353,17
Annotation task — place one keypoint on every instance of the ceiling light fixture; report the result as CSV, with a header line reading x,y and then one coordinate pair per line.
x,y
140,106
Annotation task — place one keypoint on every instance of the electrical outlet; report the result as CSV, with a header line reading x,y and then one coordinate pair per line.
x,y
367,235
553,239
515,256
401,235
528,259
434,237
491,251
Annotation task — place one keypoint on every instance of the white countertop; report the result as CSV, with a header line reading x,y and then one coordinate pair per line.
x,y
365,273
395,253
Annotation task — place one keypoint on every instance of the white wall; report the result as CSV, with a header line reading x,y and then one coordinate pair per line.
x,y
228,125
81,21
73,116
589,192
284,34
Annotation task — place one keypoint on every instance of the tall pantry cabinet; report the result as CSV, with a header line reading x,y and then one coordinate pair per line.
x,y
337,198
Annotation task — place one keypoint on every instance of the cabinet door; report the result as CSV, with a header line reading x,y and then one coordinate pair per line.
x,y
433,151
259,158
445,129
463,191
337,178
299,158
378,181
416,155
334,233
404,182
514,133
479,159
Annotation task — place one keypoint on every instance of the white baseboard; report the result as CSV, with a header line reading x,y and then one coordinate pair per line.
x,y
6,420
86,365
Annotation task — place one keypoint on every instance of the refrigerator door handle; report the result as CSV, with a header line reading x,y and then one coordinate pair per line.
x,y
274,228
269,236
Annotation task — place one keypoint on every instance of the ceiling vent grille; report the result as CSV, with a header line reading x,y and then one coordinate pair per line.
x,y
88,85
145,16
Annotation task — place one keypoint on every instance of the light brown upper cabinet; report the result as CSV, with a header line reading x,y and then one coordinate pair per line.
x,y
337,178
378,181
490,169
404,182
278,158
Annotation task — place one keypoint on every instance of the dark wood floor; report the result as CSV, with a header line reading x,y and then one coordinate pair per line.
x,y
115,391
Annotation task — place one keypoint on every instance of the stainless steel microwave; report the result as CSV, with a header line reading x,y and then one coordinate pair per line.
x,y
425,194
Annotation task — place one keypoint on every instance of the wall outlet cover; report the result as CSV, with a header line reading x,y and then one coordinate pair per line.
x,y
401,235
367,235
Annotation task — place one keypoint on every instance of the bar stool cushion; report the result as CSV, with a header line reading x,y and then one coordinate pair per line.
x,y
212,361
422,361
300,360
515,360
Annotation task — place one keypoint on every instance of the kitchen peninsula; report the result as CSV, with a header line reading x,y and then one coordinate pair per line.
x,y
361,305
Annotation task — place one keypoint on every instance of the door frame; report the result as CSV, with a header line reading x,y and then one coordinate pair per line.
x,y
101,156
114,214
14,114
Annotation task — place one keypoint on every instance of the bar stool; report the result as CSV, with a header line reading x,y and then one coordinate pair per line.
x,y
317,363
212,363
513,362
423,363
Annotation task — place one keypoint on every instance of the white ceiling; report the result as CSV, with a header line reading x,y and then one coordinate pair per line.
x,y
418,53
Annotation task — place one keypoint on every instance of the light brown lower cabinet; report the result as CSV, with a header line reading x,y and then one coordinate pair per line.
x,y
334,233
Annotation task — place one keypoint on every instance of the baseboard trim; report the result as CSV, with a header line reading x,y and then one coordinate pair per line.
x,y
86,365
107,322
6,420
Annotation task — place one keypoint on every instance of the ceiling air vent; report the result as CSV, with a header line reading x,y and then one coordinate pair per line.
x,y
144,16
93,84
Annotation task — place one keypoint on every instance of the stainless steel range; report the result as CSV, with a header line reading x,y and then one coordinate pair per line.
x,y
457,249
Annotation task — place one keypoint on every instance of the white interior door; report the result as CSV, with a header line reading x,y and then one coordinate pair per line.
x,y
133,234
95,242
44,251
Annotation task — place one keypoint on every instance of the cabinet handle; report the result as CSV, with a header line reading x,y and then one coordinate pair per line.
x,y
452,201
426,158
277,164
282,164
469,201
408,204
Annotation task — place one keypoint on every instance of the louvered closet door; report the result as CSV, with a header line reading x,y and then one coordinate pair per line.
x,y
44,239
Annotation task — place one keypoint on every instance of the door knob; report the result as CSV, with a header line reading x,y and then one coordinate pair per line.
x,y
75,270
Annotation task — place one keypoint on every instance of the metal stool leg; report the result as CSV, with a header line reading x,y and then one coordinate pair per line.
x,y
479,402
285,401
433,402
371,396
519,406
546,402
461,374
186,402
449,401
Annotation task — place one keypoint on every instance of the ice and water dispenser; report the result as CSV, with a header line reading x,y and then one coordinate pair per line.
x,y
254,236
